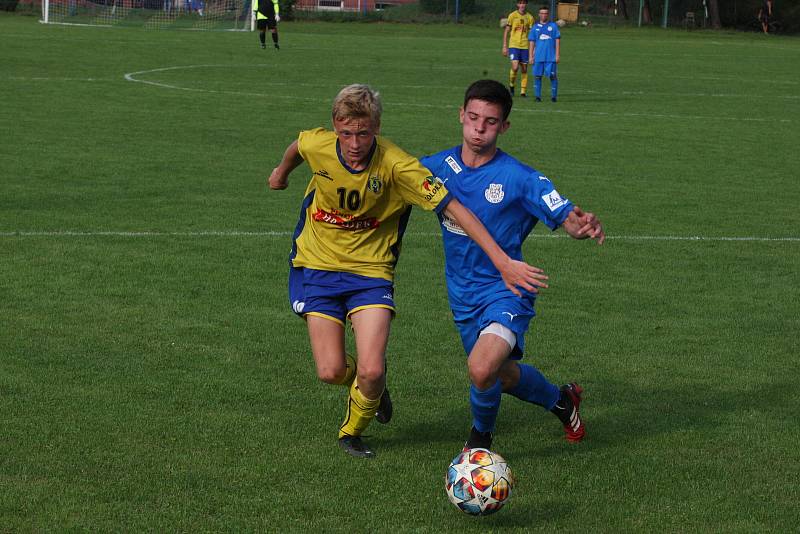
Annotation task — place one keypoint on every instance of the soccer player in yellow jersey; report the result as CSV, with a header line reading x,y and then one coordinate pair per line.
x,y
347,242
515,46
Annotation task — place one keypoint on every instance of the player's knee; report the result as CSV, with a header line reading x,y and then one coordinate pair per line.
x,y
481,373
331,374
370,376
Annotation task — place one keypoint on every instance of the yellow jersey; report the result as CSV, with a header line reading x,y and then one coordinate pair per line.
x,y
353,221
520,26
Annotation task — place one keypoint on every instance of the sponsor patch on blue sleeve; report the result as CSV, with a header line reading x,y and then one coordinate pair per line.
x,y
553,200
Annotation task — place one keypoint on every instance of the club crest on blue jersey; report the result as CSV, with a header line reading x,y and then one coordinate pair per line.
x,y
375,184
494,193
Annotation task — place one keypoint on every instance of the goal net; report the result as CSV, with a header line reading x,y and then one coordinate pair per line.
x,y
154,14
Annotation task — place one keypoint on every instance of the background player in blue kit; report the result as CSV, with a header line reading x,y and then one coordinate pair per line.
x,y
509,197
544,42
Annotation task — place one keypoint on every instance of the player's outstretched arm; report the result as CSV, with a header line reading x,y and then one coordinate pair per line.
x,y
279,178
582,225
515,273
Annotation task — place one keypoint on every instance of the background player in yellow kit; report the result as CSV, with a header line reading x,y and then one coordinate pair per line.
x,y
515,45
347,242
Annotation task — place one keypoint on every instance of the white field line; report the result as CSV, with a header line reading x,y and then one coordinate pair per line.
x,y
52,79
406,86
730,79
275,233
689,95
132,77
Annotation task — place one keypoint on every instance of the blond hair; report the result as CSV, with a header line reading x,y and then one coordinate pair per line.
x,y
358,101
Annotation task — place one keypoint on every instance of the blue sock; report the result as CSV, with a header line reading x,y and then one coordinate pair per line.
x,y
534,387
554,88
485,405
537,86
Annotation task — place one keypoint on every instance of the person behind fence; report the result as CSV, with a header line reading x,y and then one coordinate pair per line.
x,y
267,16
764,14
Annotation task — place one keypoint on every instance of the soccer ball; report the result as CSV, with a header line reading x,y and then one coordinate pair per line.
x,y
561,23
479,482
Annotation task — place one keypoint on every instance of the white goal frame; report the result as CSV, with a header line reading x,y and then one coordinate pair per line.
x,y
231,15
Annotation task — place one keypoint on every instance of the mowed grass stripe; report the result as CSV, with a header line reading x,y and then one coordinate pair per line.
x,y
276,233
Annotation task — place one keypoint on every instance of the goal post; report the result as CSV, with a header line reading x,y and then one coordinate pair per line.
x,y
151,14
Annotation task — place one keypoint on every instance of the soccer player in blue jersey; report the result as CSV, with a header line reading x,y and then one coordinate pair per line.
x,y
544,52
509,197
347,243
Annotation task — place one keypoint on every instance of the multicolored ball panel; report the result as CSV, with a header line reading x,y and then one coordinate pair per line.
x,y
478,482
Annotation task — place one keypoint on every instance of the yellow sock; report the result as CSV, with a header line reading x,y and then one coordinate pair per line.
x,y
350,372
512,78
523,84
360,411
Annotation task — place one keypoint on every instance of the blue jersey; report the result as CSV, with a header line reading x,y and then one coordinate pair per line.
x,y
544,38
509,198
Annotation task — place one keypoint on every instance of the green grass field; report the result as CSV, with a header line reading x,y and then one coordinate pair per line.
x,y
152,377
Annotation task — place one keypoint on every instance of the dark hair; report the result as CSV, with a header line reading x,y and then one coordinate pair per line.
x,y
490,91
546,8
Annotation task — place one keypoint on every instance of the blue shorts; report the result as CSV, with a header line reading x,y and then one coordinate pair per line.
x,y
512,312
336,295
545,68
518,54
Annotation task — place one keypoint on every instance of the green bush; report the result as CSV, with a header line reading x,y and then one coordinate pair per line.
x,y
287,9
448,6
8,5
